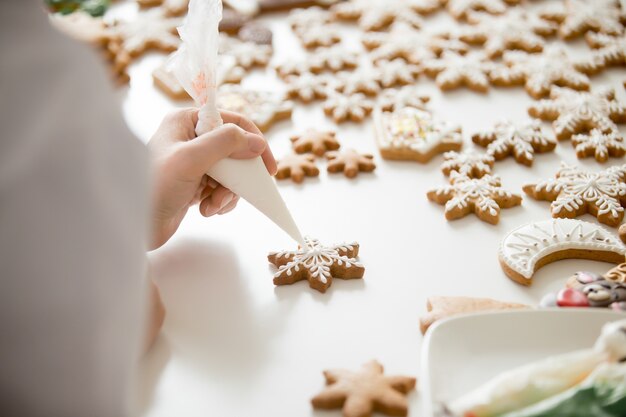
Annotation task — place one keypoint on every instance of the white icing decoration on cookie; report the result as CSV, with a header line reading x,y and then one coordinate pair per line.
x,y
525,246
246,54
377,14
262,107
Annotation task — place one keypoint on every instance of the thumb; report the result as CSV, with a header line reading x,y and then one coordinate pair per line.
x,y
227,141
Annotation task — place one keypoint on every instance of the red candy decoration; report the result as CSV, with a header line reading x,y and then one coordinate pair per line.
x,y
571,297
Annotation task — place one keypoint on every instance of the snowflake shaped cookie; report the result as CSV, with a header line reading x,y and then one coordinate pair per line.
x,y
459,9
364,80
246,54
396,72
579,16
406,96
484,196
453,70
149,30
309,17
576,112
540,72
411,134
307,87
296,167
599,145
316,141
353,107
517,29
317,264
298,68
262,107
364,392
575,191
521,140
314,36
608,51
335,58
470,163
350,162
379,14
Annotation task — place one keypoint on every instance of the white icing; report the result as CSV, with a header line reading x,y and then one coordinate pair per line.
x,y
452,67
600,143
260,106
522,248
602,15
405,96
470,163
354,106
485,193
459,8
520,139
376,14
246,54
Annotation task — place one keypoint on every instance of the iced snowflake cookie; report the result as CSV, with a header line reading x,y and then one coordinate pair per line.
x,y
517,29
412,134
312,26
296,167
279,5
575,191
149,30
364,80
599,145
521,140
440,308
407,96
539,72
622,232
315,141
317,264
396,72
354,107
246,54
379,14
459,9
307,87
297,68
453,70
575,112
364,392
534,245
483,196
608,51
262,107
470,163
350,162
579,16
309,17
335,58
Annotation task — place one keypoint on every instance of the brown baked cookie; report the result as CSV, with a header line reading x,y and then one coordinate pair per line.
x,y
307,87
407,96
315,141
316,263
575,112
452,70
361,393
608,51
353,107
281,5
151,29
622,232
396,72
364,80
577,17
378,15
264,108
575,191
175,7
296,167
483,196
459,9
521,140
470,163
257,33
440,308
350,162
297,68
600,145
167,82
246,54
232,21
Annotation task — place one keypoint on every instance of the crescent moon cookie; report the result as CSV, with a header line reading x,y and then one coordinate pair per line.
x,y
412,134
575,191
528,248
361,393
317,264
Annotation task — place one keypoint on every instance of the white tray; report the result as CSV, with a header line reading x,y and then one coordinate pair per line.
x,y
461,353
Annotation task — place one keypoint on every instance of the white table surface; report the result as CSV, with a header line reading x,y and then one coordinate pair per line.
x,y
233,344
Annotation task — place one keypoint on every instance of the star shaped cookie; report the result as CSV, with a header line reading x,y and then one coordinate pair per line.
x,y
577,17
379,14
608,51
316,263
361,393
483,196
470,163
453,70
459,9
350,162
406,96
575,191
262,107
296,167
151,29
353,107
599,145
315,141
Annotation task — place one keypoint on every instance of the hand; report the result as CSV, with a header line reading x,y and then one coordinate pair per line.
x,y
181,160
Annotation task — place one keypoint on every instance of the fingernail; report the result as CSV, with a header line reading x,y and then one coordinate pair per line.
x,y
256,143
226,200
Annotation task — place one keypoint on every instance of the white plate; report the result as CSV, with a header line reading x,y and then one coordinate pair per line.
x,y
463,352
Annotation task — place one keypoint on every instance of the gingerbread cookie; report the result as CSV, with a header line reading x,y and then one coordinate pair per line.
x,y
440,308
232,21
483,196
298,68
167,82
317,264
522,140
262,107
313,37
364,80
579,16
175,7
396,72
409,133
577,112
350,162
307,87
353,107
309,17
315,141
296,167
407,96
469,163
599,145
528,248
246,54
622,232
256,33
516,29
379,14
608,51
575,191
335,58
151,29
82,26
453,70
279,5
364,392
459,9
539,72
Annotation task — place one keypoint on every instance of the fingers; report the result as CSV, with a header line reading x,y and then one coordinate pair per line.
x,y
219,200
179,125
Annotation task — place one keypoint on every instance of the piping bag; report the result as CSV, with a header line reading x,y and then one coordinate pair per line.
x,y
194,64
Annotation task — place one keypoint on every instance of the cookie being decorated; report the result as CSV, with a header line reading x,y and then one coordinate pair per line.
x,y
453,70
364,392
262,107
521,140
539,72
316,263
577,17
528,248
379,14
575,112
599,145
470,163
315,141
575,191
350,162
296,167
353,107
483,196
409,133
